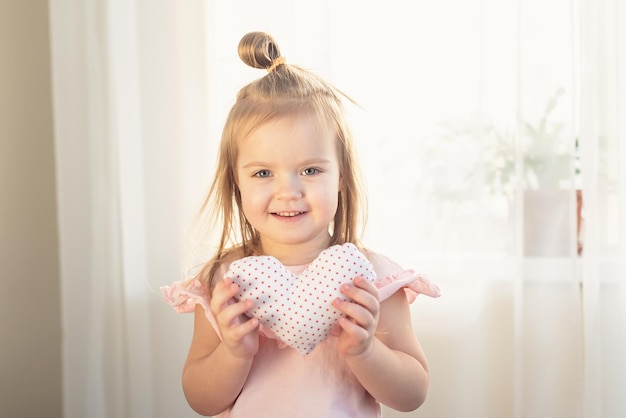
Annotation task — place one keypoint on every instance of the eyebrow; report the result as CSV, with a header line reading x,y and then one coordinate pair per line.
x,y
321,161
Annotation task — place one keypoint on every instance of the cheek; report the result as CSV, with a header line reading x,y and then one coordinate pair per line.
x,y
328,195
253,198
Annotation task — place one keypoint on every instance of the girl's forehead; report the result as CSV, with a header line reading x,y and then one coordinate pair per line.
x,y
288,126
292,138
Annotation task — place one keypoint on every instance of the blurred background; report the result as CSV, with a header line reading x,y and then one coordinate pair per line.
x,y
491,134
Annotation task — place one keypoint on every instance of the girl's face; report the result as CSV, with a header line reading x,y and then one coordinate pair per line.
x,y
288,176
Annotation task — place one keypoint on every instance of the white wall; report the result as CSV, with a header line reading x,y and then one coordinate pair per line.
x,y
30,322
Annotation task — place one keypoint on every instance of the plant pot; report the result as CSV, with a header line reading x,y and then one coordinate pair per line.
x,y
549,229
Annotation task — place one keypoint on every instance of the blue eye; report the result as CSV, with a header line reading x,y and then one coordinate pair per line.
x,y
262,173
310,171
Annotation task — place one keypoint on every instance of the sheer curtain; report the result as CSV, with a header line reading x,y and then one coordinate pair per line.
x,y
603,136
480,123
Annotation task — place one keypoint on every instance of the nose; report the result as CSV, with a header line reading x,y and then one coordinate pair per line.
x,y
289,188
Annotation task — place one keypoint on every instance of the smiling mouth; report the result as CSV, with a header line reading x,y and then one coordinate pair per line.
x,y
288,214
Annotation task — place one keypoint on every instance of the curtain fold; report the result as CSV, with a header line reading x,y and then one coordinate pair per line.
x,y
602,133
472,113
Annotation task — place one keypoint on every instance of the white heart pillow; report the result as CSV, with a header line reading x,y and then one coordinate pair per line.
x,y
298,308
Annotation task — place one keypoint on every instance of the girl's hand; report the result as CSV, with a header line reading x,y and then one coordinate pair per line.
x,y
240,334
361,317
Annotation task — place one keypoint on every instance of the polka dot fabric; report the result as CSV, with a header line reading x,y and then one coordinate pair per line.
x,y
298,308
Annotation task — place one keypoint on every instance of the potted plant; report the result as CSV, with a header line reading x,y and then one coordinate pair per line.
x,y
539,164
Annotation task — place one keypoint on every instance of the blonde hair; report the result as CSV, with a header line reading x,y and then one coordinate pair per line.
x,y
285,90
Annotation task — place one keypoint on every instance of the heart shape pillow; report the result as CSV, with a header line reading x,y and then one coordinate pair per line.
x,y
298,308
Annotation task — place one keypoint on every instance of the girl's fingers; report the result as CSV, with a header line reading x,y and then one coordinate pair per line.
x,y
226,309
359,314
224,291
355,312
354,330
368,286
234,313
363,293
240,331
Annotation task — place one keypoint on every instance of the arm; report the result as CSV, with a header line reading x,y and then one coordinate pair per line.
x,y
216,370
380,347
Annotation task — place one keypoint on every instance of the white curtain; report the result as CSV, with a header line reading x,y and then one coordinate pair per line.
x,y
603,144
480,123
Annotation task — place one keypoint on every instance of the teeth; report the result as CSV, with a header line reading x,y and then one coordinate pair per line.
x,y
288,214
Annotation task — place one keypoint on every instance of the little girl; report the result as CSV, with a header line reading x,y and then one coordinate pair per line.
x,y
287,186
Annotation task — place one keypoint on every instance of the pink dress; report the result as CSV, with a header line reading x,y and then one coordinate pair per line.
x,y
286,383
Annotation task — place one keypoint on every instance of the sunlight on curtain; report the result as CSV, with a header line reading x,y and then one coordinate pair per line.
x,y
129,114
603,135
468,126
480,122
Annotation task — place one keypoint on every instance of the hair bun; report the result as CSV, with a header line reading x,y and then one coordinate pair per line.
x,y
259,50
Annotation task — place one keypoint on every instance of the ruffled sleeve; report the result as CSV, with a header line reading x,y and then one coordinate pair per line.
x,y
413,283
391,278
184,295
